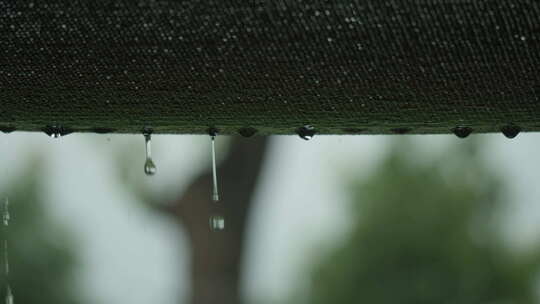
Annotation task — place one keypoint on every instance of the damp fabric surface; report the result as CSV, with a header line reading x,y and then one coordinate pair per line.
x,y
344,67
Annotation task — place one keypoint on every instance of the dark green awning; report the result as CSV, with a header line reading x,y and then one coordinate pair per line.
x,y
347,66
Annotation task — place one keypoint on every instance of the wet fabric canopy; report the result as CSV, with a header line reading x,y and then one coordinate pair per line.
x,y
373,66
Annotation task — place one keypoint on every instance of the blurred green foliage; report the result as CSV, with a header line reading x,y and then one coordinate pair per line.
x,y
41,252
427,232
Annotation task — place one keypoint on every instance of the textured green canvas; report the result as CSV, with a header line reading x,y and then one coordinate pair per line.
x,y
355,67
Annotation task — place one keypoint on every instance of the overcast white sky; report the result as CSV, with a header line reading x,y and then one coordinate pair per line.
x,y
135,256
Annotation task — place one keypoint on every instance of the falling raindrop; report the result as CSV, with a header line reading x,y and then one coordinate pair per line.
x,y
215,195
306,132
9,296
510,131
149,166
217,222
5,213
5,219
462,132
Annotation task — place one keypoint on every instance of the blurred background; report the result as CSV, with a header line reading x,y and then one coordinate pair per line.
x,y
338,219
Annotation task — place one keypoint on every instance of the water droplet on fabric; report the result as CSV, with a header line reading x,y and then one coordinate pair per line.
x,y
510,131
7,129
354,130
462,132
102,130
247,132
401,130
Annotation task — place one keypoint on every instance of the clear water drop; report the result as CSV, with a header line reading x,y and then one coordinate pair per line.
x,y
215,193
149,166
306,132
217,222
56,131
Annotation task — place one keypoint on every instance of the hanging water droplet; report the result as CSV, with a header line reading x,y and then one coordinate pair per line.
x,y
510,131
56,131
306,132
462,132
52,132
149,166
247,132
215,194
217,222
7,129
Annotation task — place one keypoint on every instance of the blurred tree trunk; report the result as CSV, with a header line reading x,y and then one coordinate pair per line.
x,y
217,255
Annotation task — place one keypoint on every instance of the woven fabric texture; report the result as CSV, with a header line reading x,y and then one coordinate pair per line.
x,y
345,67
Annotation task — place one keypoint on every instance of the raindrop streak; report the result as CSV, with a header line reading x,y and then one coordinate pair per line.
x,y
306,132
215,195
5,218
217,222
149,166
